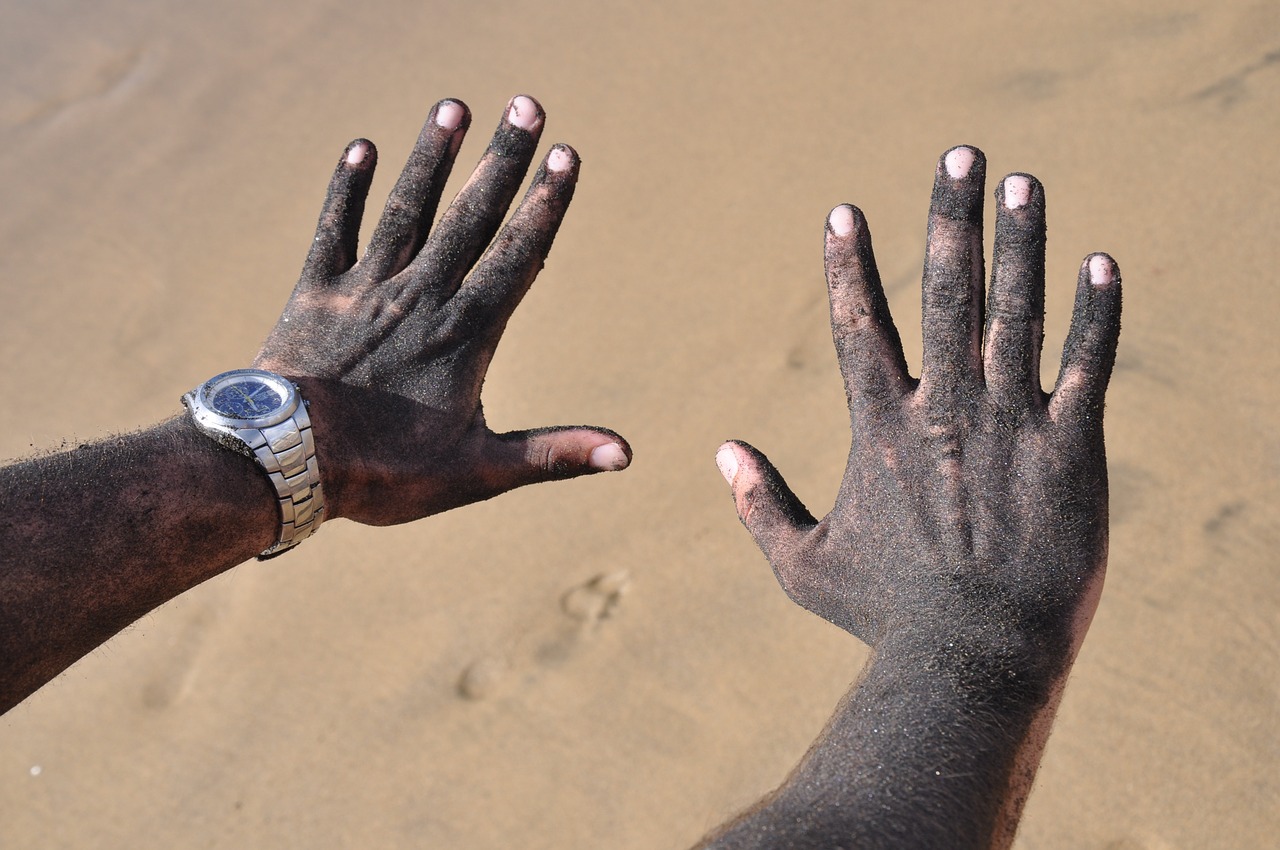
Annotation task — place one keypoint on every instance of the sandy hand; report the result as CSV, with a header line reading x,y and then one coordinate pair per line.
x,y
391,350
972,519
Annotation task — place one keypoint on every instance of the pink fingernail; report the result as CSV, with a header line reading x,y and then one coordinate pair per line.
x,y
610,457
727,460
959,161
1017,191
841,220
449,114
559,160
1100,270
357,153
524,113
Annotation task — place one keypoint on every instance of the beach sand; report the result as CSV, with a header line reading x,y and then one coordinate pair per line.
x,y
609,662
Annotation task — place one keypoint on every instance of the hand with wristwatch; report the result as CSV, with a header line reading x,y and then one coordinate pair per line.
x,y
364,403
397,404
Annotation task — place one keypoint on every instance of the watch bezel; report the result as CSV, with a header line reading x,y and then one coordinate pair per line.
x,y
202,410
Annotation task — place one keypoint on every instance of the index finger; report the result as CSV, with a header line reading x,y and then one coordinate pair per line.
x,y
1090,350
507,269
867,342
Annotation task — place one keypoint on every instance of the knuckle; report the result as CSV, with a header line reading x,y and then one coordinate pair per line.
x,y
466,214
467,319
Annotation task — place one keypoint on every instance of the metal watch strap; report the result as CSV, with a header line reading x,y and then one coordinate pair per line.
x,y
287,453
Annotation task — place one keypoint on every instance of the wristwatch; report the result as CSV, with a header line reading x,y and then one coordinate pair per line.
x,y
261,415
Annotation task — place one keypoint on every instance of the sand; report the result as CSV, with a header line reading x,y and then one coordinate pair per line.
x,y
609,662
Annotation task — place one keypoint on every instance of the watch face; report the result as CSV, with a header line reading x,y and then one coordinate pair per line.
x,y
248,398
248,395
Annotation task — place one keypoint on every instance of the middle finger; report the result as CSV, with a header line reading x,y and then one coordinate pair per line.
x,y
953,275
412,203
473,217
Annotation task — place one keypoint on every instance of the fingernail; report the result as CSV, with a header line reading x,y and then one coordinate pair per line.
x,y
727,460
610,457
523,113
959,161
559,159
1017,191
841,220
449,114
357,153
1101,271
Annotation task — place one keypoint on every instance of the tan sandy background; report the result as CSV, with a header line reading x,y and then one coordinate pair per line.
x,y
609,663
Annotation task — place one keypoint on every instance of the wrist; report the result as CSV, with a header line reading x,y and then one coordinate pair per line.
x,y
985,662
328,433
262,415
998,636
233,487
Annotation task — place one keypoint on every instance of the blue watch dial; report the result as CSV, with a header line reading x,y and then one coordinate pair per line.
x,y
246,399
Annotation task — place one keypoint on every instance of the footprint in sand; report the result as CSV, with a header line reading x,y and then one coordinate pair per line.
x,y
482,678
595,600
583,608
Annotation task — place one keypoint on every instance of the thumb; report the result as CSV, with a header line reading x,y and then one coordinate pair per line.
x,y
552,454
767,507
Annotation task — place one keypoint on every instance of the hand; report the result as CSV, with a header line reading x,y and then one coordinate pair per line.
x,y
972,519
391,351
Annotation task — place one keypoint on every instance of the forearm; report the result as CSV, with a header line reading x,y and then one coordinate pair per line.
x,y
924,751
91,539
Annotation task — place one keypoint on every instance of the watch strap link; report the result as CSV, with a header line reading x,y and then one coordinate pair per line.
x,y
287,452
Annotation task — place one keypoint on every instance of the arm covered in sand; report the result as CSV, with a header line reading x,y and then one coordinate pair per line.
x,y
968,542
390,352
